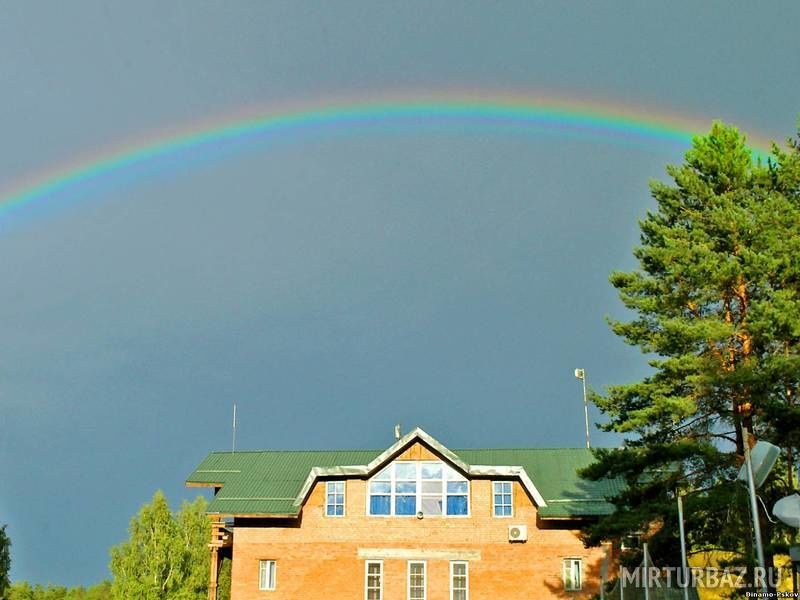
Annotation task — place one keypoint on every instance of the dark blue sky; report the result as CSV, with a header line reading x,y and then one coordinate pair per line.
x,y
331,284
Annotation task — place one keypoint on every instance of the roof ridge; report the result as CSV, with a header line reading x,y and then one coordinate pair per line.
x,y
524,448
309,451
285,451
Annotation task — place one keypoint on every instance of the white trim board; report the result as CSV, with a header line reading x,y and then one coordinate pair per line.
x,y
418,435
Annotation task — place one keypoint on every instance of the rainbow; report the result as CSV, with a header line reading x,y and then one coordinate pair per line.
x,y
562,116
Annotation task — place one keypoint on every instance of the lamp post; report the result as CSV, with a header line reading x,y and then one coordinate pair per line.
x,y
581,374
758,462
684,564
751,489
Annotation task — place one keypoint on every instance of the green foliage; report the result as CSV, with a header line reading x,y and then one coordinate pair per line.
x,y
716,307
166,557
24,591
224,580
5,560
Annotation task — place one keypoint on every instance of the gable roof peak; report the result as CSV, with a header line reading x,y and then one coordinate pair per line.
x,y
417,434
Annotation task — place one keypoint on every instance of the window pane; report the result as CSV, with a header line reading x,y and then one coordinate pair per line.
x,y
405,488
266,574
457,505
374,574
405,470
380,505
416,581
385,475
502,498
502,487
405,505
457,487
380,487
432,471
432,505
459,594
452,474
338,510
459,569
432,487
336,487
572,574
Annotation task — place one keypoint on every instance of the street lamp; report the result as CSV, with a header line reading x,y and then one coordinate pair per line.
x,y
684,561
581,374
758,463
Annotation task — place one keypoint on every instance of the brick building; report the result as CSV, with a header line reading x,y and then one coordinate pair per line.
x,y
416,521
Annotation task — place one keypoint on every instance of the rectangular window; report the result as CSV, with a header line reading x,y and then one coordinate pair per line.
x,y
266,575
416,580
405,488
380,493
334,498
459,580
432,480
572,574
374,580
502,498
457,491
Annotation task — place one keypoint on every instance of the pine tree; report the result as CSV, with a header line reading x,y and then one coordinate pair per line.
x,y
716,304
5,561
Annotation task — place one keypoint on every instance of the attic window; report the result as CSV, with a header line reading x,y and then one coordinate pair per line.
x,y
405,488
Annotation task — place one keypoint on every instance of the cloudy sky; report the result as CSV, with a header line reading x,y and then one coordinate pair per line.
x,y
331,282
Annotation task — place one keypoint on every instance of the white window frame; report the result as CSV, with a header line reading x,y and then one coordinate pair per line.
x,y
366,577
569,563
418,493
343,494
466,577
263,566
424,579
511,499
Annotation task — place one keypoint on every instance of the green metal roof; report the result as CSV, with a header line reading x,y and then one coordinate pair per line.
x,y
268,482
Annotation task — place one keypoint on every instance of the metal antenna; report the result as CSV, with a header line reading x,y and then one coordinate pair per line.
x,y
581,374
233,445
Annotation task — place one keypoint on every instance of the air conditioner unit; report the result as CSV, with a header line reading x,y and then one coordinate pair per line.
x,y
517,533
